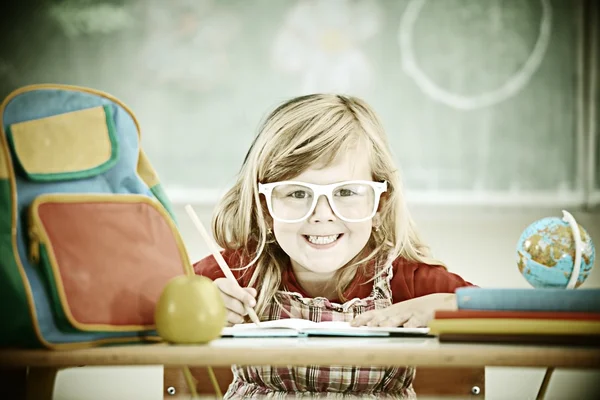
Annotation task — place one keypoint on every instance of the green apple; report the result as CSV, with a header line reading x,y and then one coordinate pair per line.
x,y
190,310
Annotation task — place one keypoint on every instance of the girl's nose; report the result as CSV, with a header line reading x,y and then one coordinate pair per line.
x,y
323,211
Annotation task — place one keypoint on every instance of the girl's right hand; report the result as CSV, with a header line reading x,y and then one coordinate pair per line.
x,y
235,297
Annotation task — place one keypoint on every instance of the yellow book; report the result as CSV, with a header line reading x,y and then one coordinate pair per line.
x,y
513,326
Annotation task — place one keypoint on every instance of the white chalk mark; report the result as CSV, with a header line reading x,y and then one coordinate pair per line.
x,y
87,18
512,86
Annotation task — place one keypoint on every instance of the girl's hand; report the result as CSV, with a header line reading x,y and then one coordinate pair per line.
x,y
392,316
235,298
413,313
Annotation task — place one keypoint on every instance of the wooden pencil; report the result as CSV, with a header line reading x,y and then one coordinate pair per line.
x,y
217,255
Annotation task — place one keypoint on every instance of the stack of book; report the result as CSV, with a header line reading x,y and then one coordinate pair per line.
x,y
545,316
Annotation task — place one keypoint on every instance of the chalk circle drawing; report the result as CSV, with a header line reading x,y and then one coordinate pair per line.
x,y
512,86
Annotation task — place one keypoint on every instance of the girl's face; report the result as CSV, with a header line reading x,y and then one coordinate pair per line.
x,y
309,243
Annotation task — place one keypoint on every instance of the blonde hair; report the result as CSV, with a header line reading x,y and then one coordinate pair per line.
x,y
300,132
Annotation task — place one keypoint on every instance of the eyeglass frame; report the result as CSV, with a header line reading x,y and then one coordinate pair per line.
x,y
322,190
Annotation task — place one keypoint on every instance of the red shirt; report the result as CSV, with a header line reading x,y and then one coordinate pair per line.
x,y
410,279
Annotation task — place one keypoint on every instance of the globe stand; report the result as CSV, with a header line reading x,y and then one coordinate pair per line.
x,y
568,218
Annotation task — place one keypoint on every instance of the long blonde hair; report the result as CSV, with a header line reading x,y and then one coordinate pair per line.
x,y
297,134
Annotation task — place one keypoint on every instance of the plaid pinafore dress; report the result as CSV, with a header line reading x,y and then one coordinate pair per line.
x,y
313,381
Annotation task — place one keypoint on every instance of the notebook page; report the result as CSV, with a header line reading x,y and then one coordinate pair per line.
x,y
293,325
344,327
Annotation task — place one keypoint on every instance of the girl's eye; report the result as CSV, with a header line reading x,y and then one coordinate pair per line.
x,y
345,193
298,194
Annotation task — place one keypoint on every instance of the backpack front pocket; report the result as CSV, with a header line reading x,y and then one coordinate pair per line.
x,y
73,145
105,258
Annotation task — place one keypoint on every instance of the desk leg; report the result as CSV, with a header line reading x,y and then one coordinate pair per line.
x,y
27,383
13,383
545,382
40,383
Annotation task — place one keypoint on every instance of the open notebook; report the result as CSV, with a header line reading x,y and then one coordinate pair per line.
x,y
294,327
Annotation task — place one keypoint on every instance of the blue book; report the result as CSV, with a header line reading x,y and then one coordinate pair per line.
x,y
550,299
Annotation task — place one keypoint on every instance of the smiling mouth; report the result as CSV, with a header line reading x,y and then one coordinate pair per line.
x,y
322,240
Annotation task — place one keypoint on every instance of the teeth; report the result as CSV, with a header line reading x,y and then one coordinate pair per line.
x,y
323,239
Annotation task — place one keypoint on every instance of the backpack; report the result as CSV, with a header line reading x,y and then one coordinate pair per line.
x,y
88,239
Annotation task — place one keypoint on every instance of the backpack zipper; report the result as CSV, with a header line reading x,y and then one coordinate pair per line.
x,y
35,239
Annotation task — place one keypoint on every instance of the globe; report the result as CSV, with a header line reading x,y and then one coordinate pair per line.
x,y
546,253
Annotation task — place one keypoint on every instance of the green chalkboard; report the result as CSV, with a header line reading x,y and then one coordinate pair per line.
x,y
477,96
595,106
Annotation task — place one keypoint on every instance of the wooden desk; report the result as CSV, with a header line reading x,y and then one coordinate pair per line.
x,y
42,364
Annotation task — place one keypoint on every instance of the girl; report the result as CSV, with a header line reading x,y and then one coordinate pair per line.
x,y
316,227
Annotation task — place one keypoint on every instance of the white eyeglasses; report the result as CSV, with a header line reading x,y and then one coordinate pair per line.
x,y
351,201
